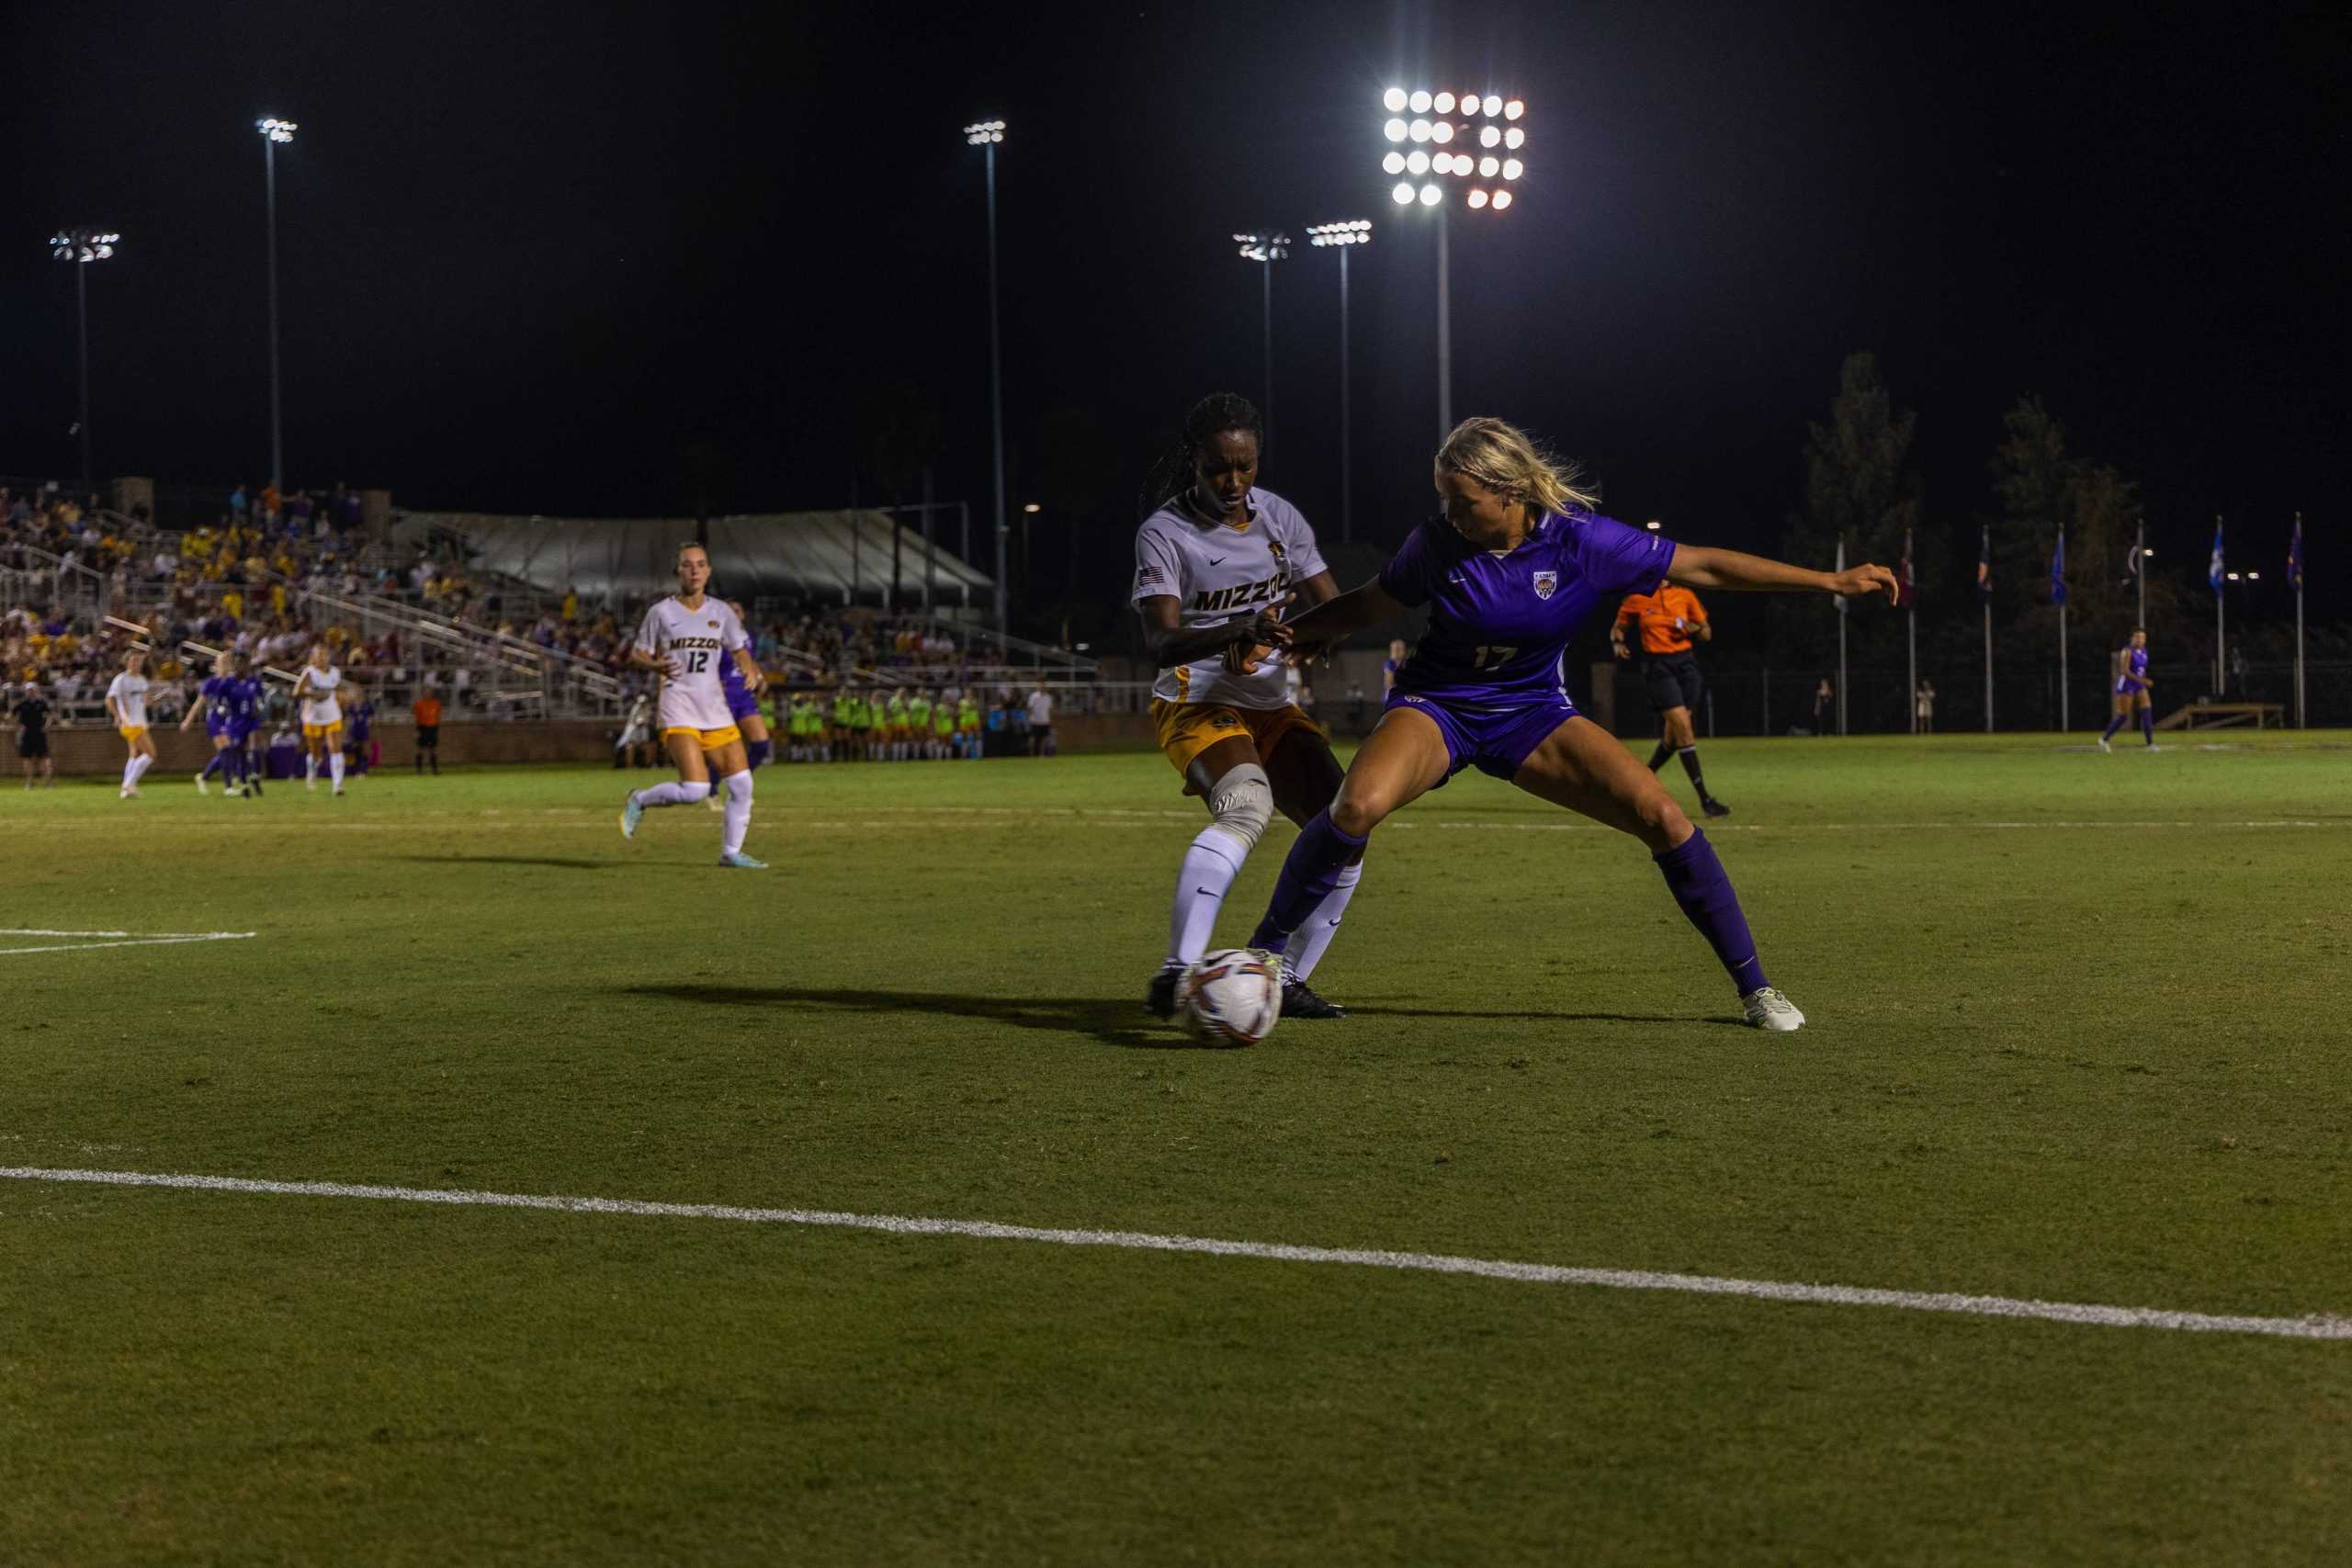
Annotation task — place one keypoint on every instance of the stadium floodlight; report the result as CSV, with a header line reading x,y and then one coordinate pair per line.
x,y
988,135
1266,247
1652,525
273,132
1343,237
1456,120
81,247
2253,577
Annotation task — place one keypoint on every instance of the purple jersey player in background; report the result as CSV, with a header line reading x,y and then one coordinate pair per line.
x,y
2133,691
243,700
1516,563
211,705
743,707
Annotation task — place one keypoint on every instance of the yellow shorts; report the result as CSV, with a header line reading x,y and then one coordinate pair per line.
x,y
712,739
130,731
1187,729
321,731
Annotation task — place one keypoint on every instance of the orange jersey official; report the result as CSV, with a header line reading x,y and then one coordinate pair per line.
x,y
1657,613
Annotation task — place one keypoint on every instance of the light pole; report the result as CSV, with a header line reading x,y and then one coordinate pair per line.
x,y
988,135
273,131
1266,249
83,246
1440,121
1342,237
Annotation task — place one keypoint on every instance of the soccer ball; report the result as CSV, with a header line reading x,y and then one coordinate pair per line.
x,y
1230,997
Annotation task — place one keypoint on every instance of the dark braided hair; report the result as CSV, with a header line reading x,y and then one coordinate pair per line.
x,y
1172,476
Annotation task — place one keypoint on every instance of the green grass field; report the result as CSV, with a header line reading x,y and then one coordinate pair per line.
x,y
2078,1034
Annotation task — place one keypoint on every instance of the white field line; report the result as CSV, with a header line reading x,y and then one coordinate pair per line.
x,y
2315,1326
159,939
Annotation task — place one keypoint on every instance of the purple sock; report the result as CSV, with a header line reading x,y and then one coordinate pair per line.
x,y
1309,875
218,763
1696,879
2148,724
2112,726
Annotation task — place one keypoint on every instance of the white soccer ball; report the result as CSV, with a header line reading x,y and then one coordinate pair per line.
x,y
1230,997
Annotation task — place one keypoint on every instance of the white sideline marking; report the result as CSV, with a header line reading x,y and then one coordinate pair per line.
x,y
156,939
2317,1326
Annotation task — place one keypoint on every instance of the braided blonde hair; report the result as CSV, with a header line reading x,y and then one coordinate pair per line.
x,y
1505,459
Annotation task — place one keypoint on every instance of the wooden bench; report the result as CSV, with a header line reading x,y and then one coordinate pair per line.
x,y
2213,715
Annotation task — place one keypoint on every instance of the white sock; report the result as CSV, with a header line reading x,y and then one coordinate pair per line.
x,y
739,812
334,769
1308,947
311,767
1208,869
677,792
130,770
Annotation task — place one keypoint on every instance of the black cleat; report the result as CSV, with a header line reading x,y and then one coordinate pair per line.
x,y
1715,807
1160,997
1299,1001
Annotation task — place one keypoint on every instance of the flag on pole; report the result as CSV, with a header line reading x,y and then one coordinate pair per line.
x,y
2058,570
1842,568
2132,564
1985,569
1907,590
2295,556
2213,573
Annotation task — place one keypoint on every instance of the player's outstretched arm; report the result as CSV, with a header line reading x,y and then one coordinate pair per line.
x,y
1696,565
194,712
1170,644
1357,610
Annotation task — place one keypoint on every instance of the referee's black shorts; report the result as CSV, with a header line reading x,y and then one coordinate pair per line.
x,y
1673,680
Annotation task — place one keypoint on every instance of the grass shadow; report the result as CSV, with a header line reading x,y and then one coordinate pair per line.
x,y
1113,1023
560,865
1526,1016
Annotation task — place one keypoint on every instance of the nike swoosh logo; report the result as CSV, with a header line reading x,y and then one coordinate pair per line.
x,y
1216,560
1455,577
1206,893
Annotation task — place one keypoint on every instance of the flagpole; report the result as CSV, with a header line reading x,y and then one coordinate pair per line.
x,y
2058,581
2302,714
2221,626
1987,597
1841,639
2142,573
1911,632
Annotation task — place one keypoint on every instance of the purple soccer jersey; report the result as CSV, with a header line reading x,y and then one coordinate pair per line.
x,y
2135,677
1500,623
215,691
741,704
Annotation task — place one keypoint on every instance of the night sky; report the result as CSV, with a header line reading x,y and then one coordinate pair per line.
x,y
617,261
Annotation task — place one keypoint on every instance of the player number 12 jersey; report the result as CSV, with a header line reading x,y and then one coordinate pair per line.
x,y
696,641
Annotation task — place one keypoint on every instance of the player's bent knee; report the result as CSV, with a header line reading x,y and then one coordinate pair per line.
x,y
740,785
694,789
1356,815
1242,804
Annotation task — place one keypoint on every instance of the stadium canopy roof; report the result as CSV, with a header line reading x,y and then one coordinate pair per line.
x,y
843,556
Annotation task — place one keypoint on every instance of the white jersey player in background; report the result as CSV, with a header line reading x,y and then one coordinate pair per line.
x,y
1217,561
319,688
127,705
684,636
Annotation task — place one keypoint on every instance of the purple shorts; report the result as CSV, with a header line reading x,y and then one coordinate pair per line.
x,y
741,704
1496,739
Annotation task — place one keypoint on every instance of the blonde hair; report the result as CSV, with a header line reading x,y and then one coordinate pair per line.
x,y
1505,459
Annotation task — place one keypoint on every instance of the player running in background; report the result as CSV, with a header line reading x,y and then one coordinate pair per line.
x,y
1516,562
1216,558
2133,690
684,636
243,701
126,706
31,714
210,705
319,687
362,732
744,703
1669,621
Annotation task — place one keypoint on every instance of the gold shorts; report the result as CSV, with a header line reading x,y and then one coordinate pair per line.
x,y
1187,729
711,740
130,731
321,731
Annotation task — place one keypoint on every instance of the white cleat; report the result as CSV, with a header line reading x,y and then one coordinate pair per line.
x,y
1766,1008
201,788
2103,745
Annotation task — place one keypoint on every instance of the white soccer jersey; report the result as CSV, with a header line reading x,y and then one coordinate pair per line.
x,y
319,704
1220,573
130,695
697,640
